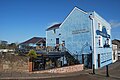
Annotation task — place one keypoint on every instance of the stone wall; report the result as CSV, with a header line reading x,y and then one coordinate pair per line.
x,y
67,69
11,62
14,63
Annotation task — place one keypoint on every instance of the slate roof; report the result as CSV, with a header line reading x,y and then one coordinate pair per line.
x,y
115,41
35,40
55,26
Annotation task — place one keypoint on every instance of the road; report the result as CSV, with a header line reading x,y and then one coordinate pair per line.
x,y
114,72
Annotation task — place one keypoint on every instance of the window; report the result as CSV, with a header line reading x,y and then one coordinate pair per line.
x,y
57,40
100,41
54,31
99,26
100,37
63,43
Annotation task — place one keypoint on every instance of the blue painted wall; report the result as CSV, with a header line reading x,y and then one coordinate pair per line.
x,y
78,32
100,40
51,37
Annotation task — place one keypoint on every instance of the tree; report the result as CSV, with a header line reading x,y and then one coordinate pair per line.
x,y
3,46
32,54
12,46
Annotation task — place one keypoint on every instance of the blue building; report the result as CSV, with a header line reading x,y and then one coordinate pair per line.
x,y
84,34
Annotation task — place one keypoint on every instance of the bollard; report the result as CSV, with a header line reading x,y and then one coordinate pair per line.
x,y
107,72
93,69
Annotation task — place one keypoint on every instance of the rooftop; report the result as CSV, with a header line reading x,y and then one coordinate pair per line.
x,y
35,40
55,26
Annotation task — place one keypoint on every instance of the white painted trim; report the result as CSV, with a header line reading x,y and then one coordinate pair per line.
x,y
105,24
94,44
93,32
71,13
81,10
103,20
92,39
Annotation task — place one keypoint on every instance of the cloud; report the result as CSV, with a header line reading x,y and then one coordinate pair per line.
x,y
114,23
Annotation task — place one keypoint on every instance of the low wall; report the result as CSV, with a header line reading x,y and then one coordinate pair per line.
x,y
67,69
11,62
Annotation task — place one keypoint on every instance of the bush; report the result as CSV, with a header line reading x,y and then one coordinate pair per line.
x,y
32,54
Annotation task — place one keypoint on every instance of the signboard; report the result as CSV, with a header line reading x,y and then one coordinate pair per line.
x,y
103,33
80,31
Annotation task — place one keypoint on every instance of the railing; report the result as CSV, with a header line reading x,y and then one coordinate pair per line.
x,y
70,56
49,49
70,52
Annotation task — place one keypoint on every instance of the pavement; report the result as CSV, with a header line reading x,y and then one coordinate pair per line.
x,y
100,74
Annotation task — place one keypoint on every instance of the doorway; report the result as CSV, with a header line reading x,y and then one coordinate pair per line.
x,y
57,41
98,60
87,60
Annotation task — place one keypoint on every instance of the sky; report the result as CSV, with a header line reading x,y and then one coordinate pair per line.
x,y
23,19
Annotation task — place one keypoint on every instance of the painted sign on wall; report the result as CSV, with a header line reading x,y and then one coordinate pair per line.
x,y
103,33
80,31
